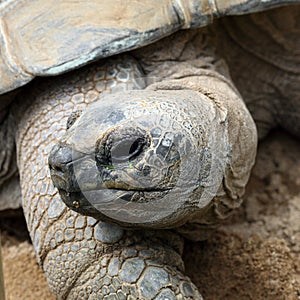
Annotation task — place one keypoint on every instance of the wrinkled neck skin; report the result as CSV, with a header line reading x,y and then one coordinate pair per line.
x,y
240,144
76,251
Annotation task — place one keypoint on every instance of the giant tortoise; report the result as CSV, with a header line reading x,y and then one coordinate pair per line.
x,y
165,147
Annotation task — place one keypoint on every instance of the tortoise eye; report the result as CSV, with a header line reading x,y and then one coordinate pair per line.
x,y
127,150
121,146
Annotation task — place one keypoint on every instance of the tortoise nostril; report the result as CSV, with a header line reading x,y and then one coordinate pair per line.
x,y
59,158
56,168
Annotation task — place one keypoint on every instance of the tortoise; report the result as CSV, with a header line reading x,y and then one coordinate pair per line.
x,y
147,147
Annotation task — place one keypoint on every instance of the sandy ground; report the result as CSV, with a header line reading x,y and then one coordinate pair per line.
x,y
254,256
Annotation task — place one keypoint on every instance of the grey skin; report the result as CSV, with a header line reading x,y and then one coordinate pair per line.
x,y
88,258
129,155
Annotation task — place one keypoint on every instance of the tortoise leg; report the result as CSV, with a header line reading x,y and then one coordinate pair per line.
x,y
138,266
82,257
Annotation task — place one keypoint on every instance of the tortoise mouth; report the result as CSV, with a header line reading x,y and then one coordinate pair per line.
x,y
124,193
121,191
70,184
78,201
128,208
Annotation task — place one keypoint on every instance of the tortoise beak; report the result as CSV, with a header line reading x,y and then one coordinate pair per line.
x,y
61,168
65,174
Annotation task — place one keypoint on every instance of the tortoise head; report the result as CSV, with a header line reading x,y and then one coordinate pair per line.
x,y
142,158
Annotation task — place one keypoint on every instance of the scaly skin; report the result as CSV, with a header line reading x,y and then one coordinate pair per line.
x,y
199,109
84,258
78,252
88,259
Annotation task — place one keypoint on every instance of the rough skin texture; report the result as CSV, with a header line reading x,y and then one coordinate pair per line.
x,y
199,101
57,233
254,256
81,256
